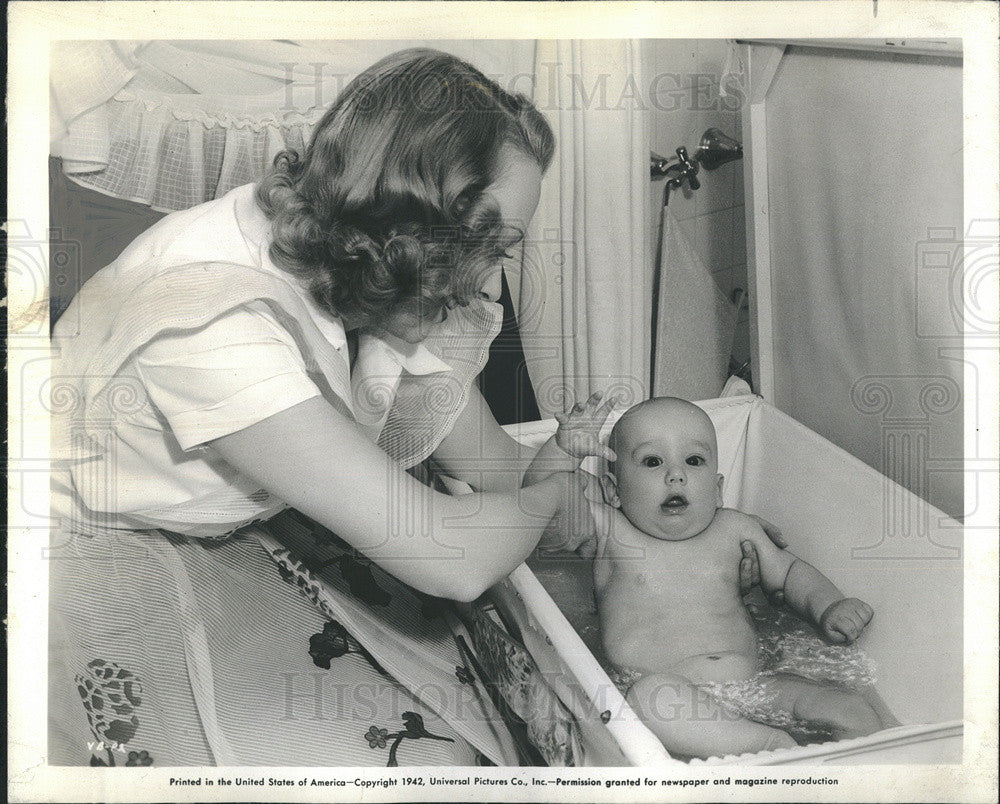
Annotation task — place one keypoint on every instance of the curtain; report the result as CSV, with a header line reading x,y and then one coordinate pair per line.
x,y
172,124
585,289
865,185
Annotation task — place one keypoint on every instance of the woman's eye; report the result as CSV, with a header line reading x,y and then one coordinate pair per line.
x,y
696,460
651,462
435,315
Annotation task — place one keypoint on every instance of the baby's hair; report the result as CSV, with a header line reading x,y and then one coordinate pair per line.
x,y
386,208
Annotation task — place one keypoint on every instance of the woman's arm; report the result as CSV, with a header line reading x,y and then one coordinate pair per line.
x,y
549,458
315,459
479,451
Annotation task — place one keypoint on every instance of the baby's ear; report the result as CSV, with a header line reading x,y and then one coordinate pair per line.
x,y
718,490
609,487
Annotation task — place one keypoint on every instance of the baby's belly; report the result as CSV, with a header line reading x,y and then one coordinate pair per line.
x,y
706,646
720,666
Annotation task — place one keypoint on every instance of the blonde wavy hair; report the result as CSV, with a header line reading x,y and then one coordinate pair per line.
x,y
387,208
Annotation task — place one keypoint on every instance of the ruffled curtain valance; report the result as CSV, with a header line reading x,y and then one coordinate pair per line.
x,y
173,155
174,124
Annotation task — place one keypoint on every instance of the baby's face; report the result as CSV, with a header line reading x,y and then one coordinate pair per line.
x,y
667,477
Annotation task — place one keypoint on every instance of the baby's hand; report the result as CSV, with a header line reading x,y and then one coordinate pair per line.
x,y
579,430
844,620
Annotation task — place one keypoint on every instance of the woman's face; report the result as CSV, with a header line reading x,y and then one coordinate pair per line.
x,y
516,191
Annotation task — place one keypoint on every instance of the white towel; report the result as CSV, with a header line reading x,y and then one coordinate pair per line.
x,y
695,322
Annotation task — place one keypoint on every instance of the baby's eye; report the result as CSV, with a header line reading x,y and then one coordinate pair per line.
x,y
695,460
651,462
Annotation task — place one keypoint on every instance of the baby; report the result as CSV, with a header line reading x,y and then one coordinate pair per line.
x,y
666,576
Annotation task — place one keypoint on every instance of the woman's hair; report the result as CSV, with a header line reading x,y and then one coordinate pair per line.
x,y
387,207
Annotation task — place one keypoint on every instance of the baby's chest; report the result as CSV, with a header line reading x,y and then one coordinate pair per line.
x,y
676,570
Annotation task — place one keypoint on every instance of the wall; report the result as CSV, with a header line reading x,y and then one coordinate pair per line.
x,y
683,78
865,252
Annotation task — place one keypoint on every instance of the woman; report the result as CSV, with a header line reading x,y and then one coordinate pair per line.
x,y
299,343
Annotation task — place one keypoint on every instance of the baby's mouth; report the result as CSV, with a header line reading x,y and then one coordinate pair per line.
x,y
674,504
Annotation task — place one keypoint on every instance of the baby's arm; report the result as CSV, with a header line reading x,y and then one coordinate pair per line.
x,y
806,590
577,437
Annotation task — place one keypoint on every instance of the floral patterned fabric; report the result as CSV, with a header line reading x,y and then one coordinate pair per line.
x,y
233,652
111,695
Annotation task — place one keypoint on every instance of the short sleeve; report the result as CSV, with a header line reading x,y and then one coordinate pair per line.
x,y
238,370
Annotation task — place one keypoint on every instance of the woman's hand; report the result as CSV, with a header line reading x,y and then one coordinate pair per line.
x,y
750,572
572,529
773,532
750,563
579,432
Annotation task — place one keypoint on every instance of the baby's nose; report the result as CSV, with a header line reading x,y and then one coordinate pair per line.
x,y
676,475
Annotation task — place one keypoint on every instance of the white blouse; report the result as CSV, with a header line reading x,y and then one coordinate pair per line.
x,y
204,374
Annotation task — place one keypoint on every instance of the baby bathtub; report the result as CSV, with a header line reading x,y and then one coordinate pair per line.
x,y
871,537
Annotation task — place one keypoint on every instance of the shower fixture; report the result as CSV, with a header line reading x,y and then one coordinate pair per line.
x,y
715,149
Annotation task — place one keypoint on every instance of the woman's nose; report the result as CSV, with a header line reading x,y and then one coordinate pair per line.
x,y
490,291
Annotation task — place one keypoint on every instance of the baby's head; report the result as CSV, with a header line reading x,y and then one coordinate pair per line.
x,y
666,478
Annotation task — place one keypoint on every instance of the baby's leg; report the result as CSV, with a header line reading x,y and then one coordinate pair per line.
x,y
844,712
690,724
